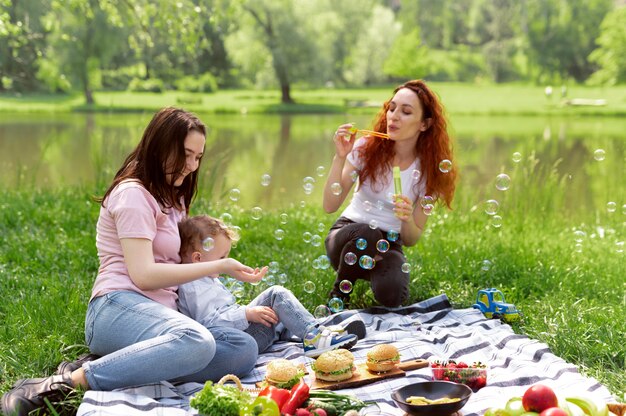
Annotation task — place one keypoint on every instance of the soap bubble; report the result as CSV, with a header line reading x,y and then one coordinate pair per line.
x,y
381,204
619,246
321,227
308,179
367,206
316,240
382,245
283,218
257,213
282,278
309,286
335,305
503,182
336,188
273,267
226,218
611,206
237,290
624,209
517,157
279,234
321,311
266,179
306,236
345,286
486,265
361,244
599,155
491,206
208,244
579,236
445,166
416,174
406,267
393,235
234,194
366,262
350,258
321,171
373,224
308,188
428,209
354,175
496,221
427,200
323,262
578,247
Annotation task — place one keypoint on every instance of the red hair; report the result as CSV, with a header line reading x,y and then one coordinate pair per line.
x,y
433,146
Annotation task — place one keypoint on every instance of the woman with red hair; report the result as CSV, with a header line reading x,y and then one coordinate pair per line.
x,y
410,133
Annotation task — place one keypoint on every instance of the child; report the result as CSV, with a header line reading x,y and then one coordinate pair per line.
x,y
208,301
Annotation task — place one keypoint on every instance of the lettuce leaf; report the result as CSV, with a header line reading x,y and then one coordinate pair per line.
x,y
220,400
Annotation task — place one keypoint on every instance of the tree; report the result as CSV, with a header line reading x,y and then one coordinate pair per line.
x,y
610,55
81,39
408,57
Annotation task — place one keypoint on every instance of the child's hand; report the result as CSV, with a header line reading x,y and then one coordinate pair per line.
x,y
263,315
244,273
403,208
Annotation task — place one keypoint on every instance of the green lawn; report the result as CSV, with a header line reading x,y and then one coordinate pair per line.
x,y
571,296
460,99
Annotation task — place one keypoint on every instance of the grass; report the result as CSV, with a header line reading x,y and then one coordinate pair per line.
x,y
460,99
572,295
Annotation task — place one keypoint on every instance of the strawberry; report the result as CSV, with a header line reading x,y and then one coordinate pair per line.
x,y
461,364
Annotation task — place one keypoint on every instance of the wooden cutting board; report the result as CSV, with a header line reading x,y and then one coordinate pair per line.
x,y
362,376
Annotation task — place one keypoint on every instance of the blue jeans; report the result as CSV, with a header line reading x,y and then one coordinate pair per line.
x,y
291,314
142,342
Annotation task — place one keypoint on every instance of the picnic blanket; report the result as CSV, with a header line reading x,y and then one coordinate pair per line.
x,y
430,329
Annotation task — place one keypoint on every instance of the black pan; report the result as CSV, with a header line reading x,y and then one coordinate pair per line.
x,y
432,390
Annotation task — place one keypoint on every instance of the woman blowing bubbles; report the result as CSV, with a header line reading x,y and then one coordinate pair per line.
x,y
132,320
417,143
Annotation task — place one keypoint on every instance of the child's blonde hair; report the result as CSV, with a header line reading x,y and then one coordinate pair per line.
x,y
194,230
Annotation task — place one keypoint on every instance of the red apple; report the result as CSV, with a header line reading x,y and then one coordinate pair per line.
x,y
539,398
554,411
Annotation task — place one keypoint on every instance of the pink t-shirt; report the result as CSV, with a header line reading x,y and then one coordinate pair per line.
x,y
130,211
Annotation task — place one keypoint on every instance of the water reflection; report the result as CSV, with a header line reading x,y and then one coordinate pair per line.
x,y
76,149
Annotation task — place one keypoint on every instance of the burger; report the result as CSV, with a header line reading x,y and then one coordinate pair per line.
x,y
335,365
283,374
382,358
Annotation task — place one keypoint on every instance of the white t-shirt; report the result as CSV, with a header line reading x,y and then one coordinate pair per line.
x,y
368,204
130,211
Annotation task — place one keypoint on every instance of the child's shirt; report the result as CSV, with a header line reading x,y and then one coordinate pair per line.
x,y
209,302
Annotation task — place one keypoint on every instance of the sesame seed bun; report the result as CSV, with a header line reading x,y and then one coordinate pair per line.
x,y
335,365
382,358
281,373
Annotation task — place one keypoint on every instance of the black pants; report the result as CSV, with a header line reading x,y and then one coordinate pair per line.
x,y
389,283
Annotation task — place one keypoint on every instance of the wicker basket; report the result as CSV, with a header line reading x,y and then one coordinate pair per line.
x,y
618,408
233,378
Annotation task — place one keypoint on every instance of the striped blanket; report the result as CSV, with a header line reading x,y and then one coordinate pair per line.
x,y
431,329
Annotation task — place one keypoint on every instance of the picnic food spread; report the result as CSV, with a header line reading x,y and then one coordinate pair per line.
x,y
335,365
382,358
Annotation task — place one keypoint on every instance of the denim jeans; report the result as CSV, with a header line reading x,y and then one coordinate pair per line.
x,y
291,314
142,341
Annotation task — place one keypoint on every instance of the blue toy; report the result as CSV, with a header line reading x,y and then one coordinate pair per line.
x,y
492,304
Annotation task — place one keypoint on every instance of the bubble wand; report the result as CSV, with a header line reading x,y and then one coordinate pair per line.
x,y
397,181
354,130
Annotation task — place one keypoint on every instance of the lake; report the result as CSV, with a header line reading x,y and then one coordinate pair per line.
x,y
57,150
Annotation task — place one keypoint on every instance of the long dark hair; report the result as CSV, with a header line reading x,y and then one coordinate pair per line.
x,y
162,144
433,146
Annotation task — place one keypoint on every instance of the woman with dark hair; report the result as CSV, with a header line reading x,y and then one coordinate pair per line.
x,y
410,135
132,320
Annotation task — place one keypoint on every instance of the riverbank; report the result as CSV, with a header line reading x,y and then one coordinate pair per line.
x,y
460,99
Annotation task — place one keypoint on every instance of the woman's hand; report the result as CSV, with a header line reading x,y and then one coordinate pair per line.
x,y
403,207
344,140
263,315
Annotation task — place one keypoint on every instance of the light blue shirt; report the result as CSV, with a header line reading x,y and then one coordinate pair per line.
x,y
209,302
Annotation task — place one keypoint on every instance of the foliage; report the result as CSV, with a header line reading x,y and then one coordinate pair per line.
x,y
611,52
408,58
146,85
203,83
